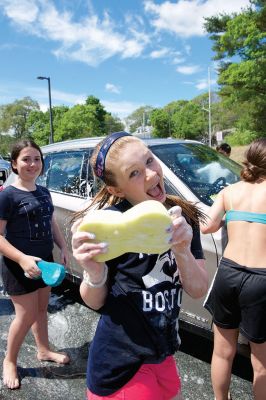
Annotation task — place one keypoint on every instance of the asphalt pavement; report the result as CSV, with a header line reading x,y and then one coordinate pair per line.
x,y
71,329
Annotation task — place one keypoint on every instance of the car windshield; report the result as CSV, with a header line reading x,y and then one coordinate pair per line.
x,y
202,169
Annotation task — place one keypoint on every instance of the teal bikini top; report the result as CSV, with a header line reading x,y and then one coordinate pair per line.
x,y
234,215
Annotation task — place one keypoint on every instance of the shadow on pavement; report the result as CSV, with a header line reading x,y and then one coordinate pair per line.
x,y
6,307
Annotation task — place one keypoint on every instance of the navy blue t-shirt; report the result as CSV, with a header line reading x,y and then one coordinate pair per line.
x,y
29,229
139,321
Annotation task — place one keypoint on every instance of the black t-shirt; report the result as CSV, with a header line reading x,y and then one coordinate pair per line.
x,y
29,229
139,321
29,217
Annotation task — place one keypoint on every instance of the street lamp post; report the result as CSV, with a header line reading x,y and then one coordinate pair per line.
x,y
51,138
208,110
210,118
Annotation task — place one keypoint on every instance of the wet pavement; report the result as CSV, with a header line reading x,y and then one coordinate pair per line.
x,y
71,328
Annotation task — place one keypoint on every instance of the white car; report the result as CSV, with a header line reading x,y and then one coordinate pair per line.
x,y
192,170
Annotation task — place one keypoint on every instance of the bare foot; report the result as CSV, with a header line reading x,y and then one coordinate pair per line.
x,y
10,375
59,358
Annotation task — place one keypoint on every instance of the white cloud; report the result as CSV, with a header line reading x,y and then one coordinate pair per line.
x,y
58,96
23,12
178,60
203,84
185,18
44,107
91,39
110,87
159,53
188,69
11,92
122,109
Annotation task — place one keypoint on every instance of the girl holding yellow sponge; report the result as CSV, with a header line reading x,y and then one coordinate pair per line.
x,y
139,249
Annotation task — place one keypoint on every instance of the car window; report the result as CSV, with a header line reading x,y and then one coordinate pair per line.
x,y
202,169
66,172
3,175
5,169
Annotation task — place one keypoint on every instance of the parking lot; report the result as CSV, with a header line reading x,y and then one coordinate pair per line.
x,y
71,328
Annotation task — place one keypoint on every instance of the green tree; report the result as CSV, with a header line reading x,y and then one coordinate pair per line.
x,y
161,123
13,116
241,38
6,142
180,119
78,122
222,116
172,109
189,122
82,120
99,111
141,116
39,127
38,124
112,124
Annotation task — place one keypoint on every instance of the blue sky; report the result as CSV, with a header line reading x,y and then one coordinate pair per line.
x,y
127,53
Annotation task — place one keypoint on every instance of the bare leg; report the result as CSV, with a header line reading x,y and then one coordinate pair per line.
x,y
225,344
40,331
258,360
25,313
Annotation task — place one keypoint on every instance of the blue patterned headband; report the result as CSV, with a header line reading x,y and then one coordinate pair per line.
x,y
107,143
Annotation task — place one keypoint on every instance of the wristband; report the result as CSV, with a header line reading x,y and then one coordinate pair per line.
x,y
88,282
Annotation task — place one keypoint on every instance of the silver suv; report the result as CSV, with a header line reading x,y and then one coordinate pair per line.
x,y
192,171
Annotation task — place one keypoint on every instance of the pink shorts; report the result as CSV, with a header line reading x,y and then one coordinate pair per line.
x,y
151,382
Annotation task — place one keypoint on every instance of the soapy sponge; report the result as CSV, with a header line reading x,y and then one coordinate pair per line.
x,y
141,229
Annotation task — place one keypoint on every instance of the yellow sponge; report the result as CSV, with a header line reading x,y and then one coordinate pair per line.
x,y
141,229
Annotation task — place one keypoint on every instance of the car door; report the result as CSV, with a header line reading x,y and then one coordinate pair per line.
x,y
192,311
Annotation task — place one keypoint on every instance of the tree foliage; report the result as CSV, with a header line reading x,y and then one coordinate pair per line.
x,y
140,117
180,119
161,123
81,120
23,118
240,46
6,142
189,122
38,124
13,116
99,111
112,124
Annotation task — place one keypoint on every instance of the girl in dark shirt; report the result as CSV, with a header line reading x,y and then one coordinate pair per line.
x,y
138,295
27,232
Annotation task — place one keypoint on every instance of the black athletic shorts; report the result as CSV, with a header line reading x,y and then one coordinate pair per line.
x,y
237,299
15,282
